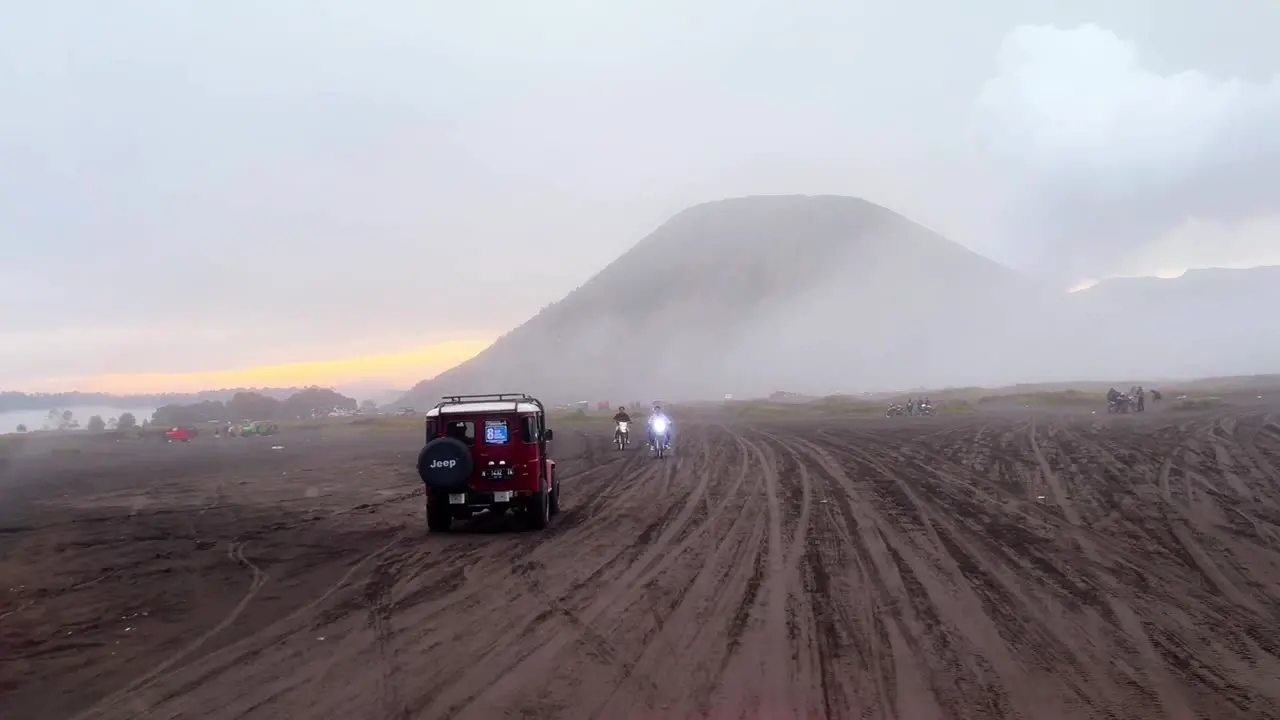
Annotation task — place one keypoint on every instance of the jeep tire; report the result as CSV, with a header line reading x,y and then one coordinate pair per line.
x,y
538,512
445,464
555,499
439,515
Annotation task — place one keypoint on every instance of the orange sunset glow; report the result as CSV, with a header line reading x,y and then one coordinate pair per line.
x,y
399,369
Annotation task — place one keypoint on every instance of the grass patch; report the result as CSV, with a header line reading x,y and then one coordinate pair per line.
x,y
832,406
1052,399
1196,403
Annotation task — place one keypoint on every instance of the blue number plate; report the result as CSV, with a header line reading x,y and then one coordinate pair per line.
x,y
495,432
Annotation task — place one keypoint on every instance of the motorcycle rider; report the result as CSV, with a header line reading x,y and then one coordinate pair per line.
x,y
1112,396
621,417
654,416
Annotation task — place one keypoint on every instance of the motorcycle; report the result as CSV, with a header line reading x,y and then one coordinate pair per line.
x,y
622,435
661,439
925,410
894,410
1120,405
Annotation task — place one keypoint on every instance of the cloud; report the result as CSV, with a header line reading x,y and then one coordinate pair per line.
x,y
1106,157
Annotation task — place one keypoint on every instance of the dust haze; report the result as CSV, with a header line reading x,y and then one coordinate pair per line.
x,y
1106,166
667,200
192,191
829,294
1117,162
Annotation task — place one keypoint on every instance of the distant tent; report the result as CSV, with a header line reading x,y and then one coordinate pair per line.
x,y
602,405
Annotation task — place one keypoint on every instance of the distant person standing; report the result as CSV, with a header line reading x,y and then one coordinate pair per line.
x,y
1142,399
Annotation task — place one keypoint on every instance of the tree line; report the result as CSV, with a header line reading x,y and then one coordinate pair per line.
x,y
66,420
306,404
14,401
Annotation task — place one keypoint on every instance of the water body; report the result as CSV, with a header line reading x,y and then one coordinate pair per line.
x,y
39,419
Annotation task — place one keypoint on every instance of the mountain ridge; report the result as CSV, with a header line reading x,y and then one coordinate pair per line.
x,y
710,281
822,294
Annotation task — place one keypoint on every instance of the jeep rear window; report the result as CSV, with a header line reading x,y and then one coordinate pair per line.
x,y
464,430
496,433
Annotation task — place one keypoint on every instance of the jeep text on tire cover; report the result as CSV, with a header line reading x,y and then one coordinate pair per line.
x,y
445,464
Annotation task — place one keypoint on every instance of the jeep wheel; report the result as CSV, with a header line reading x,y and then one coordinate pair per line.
x,y
539,511
555,500
439,518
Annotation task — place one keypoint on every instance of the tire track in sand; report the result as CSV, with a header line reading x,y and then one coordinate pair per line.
x,y
716,601
921,571
281,635
258,578
866,633
1060,497
656,543
765,690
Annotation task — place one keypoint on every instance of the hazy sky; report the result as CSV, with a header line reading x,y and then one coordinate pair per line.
x,y
195,188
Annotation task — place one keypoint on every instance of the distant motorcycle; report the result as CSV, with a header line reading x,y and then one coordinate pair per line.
x,y
1120,405
925,410
622,435
895,410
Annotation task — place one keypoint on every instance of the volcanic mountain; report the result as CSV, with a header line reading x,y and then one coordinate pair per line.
x,y
749,295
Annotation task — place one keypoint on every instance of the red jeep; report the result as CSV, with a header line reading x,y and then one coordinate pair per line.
x,y
488,452
180,434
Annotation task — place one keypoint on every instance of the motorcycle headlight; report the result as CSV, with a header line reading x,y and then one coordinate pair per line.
x,y
660,426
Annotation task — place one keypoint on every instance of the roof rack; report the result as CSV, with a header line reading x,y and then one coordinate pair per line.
x,y
489,397
514,398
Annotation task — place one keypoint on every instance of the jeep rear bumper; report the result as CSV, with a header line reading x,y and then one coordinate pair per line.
x,y
479,498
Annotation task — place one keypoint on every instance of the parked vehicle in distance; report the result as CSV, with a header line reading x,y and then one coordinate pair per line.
x,y
258,428
180,434
488,452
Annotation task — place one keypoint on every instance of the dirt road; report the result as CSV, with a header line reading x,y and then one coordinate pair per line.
x,y
985,567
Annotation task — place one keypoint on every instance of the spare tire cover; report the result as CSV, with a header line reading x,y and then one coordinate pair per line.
x,y
445,464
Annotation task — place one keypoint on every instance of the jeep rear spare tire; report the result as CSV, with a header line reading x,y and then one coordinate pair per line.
x,y
445,464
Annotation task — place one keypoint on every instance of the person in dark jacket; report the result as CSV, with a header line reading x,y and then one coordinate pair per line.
x,y
621,417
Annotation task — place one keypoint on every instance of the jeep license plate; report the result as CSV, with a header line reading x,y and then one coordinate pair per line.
x,y
502,496
458,499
